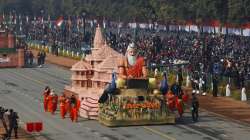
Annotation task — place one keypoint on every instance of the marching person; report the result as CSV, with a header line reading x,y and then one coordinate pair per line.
x,y
195,107
177,91
67,106
72,107
170,100
50,101
62,100
54,102
46,93
13,123
78,105
76,110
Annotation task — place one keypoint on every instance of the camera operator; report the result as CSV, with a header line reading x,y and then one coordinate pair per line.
x,y
2,112
13,123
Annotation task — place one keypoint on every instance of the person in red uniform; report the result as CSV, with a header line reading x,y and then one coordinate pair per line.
x,y
62,100
77,107
50,102
185,97
72,107
179,106
67,106
132,66
55,101
170,100
46,93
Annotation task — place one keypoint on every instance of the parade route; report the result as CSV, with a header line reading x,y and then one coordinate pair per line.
x,y
21,89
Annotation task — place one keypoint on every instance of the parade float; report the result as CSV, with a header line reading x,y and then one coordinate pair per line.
x,y
10,54
136,101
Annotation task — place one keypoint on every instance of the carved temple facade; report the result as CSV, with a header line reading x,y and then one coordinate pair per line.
x,y
91,75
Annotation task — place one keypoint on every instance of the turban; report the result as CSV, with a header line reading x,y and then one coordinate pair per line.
x,y
131,46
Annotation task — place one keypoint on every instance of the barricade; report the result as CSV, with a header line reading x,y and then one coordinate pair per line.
x,y
34,127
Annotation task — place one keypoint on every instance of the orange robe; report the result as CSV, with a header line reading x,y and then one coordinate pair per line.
x,y
170,100
45,101
67,106
136,70
55,101
78,105
75,110
179,106
185,98
50,103
73,114
62,106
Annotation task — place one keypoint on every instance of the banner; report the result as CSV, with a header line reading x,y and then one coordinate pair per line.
x,y
246,32
194,28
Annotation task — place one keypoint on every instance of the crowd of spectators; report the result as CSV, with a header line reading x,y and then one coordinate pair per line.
x,y
211,53
205,52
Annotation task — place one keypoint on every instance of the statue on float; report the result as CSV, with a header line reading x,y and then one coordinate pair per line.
x,y
132,66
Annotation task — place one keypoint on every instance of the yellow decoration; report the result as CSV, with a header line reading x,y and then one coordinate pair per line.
x,y
120,83
152,83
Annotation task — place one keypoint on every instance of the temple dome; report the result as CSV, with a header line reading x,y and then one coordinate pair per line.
x,y
109,64
98,40
81,65
101,53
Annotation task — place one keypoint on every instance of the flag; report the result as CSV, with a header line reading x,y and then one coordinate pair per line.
x,y
59,21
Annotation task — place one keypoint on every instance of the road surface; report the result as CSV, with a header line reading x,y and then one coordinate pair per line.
x,y
21,89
